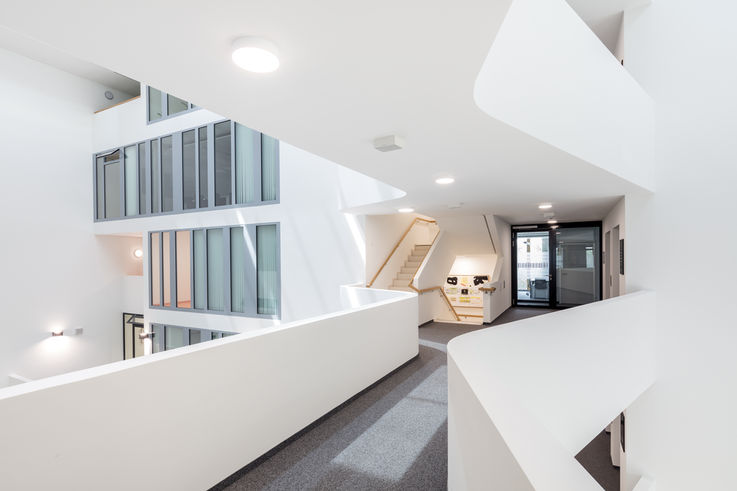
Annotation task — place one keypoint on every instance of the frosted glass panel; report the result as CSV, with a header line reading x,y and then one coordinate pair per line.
x,y
184,277
112,190
131,180
247,153
267,274
269,167
200,269
237,269
155,269
577,269
215,270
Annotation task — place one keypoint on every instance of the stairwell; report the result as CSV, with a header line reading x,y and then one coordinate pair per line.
x,y
410,267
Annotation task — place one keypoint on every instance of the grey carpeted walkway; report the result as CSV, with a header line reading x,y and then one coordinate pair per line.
x,y
392,436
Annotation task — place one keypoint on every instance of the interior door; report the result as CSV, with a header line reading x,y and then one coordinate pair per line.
x,y
532,273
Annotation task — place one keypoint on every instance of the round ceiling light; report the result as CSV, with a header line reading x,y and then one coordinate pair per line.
x,y
406,210
444,180
255,54
545,206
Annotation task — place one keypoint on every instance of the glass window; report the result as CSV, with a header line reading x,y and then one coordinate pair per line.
x,y
247,144
100,171
167,175
155,269
267,273
223,192
166,263
112,190
175,104
202,143
237,269
131,180
155,177
577,272
200,270
189,189
197,336
176,337
157,343
269,168
142,178
154,104
215,270
184,278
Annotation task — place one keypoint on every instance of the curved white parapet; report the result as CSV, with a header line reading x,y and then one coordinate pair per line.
x,y
188,418
525,397
548,75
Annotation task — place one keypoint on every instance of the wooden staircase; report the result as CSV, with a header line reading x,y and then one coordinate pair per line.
x,y
407,273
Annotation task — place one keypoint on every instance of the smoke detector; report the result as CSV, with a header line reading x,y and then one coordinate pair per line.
x,y
388,143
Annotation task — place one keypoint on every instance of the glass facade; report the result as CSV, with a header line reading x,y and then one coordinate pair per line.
x,y
172,337
160,105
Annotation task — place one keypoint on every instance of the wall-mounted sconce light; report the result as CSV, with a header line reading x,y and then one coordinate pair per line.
x,y
138,253
146,335
58,331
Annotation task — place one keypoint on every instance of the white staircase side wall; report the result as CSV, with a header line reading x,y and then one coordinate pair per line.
x,y
548,75
547,385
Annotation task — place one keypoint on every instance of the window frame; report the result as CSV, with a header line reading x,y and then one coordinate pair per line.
x,y
177,175
251,305
165,106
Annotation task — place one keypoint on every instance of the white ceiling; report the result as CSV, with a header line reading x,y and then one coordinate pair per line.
x,y
45,53
350,72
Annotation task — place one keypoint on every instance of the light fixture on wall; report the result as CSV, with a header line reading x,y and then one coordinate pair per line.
x,y
552,222
138,253
406,210
57,331
146,335
255,54
545,206
444,180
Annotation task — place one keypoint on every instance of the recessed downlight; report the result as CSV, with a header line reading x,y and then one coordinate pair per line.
x,y
255,54
406,210
444,180
552,222
545,206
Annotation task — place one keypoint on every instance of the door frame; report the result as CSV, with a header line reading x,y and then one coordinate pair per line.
x,y
552,247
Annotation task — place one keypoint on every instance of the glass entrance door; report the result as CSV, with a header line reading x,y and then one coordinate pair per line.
x,y
556,265
533,267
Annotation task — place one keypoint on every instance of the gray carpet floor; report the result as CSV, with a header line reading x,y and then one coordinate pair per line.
x,y
392,436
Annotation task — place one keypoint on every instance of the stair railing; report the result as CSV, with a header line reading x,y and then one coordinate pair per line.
x,y
399,242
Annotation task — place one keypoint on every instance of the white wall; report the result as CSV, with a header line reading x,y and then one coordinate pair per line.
x,y
615,218
682,432
382,234
55,271
548,75
75,431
